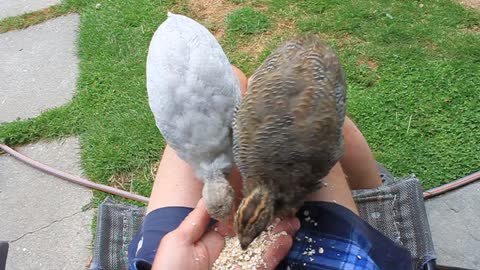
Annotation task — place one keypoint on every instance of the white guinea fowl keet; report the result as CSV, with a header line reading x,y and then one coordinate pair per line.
x,y
192,92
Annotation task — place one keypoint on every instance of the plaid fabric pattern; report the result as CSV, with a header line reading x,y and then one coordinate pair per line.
x,y
332,237
327,252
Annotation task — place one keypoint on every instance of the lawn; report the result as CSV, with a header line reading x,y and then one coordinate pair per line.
x,y
413,69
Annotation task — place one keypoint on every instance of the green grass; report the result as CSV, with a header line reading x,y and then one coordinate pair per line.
x,y
402,62
247,21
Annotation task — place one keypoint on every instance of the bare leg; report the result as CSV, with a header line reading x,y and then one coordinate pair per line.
x,y
175,183
242,79
358,162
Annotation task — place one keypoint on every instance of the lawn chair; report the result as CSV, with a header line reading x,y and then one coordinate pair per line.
x,y
396,209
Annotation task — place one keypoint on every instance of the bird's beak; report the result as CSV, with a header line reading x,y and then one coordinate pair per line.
x,y
244,243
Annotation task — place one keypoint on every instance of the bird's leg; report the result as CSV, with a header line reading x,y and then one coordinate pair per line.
x,y
219,197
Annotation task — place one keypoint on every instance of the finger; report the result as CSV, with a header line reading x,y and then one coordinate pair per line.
x,y
289,224
195,224
213,243
276,252
225,228
280,247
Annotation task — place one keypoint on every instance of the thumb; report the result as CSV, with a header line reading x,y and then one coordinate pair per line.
x,y
195,224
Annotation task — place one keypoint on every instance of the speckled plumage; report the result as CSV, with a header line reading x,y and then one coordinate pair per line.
x,y
192,92
288,131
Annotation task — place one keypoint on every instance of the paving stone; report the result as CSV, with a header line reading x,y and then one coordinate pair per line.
x,y
41,215
39,67
18,7
454,219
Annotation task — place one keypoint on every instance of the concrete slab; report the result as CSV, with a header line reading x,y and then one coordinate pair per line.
x,y
39,67
454,219
41,216
18,7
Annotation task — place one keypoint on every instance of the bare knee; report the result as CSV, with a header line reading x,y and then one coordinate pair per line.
x,y
242,79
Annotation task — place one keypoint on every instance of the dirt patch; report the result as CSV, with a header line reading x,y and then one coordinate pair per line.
x,y
212,14
258,43
124,181
342,41
372,64
121,181
473,29
475,4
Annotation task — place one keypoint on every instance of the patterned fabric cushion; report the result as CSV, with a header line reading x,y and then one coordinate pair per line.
x,y
397,210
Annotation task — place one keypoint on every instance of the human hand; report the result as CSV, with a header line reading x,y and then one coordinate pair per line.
x,y
192,246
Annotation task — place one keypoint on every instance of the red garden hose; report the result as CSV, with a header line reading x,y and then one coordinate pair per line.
x,y
87,183
72,178
452,185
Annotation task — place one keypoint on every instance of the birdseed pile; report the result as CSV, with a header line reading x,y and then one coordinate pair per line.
x,y
233,257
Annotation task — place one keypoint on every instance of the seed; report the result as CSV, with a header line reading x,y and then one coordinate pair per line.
x,y
232,255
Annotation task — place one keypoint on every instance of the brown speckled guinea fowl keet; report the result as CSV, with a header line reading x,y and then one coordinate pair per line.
x,y
287,132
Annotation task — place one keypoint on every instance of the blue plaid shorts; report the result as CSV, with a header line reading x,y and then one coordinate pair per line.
x,y
330,237
333,237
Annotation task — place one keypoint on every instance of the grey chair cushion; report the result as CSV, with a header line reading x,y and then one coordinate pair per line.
x,y
397,209
117,222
